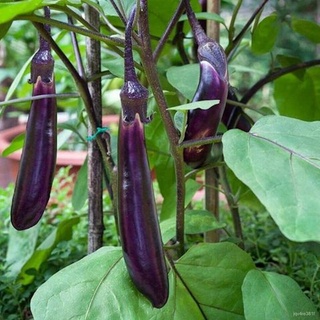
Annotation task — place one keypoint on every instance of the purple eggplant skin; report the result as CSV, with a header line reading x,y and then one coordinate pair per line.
x,y
137,215
234,117
38,159
138,222
204,123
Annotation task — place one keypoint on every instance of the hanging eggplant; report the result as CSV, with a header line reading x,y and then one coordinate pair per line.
x,y
37,164
213,85
138,222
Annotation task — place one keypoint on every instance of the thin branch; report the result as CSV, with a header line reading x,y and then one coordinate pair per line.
x,y
39,97
275,75
177,153
232,204
111,41
76,49
173,21
74,15
231,46
199,142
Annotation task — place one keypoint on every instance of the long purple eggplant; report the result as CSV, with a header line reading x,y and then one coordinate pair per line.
x,y
37,165
138,222
213,85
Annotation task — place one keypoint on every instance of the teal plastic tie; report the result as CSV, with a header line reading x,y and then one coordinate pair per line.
x,y
99,131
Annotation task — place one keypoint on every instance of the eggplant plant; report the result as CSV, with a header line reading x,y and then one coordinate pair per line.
x,y
264,176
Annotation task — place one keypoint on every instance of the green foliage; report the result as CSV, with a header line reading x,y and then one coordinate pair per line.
x,y
105,288
265,34
298,96
279,298
307,28
286,183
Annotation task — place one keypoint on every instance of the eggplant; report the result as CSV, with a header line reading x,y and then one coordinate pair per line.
x,y
213,85
38,159
137,215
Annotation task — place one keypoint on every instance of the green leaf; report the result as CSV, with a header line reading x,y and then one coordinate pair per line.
x,y
203,105
199,221
62,233
196,221
298,97
98,287
17,79
80,191
279,159
307,28
214,274
268,295
187,84
21,246
16,144
180,122
265,35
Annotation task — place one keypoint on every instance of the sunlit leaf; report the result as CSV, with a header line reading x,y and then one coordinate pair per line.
x,y
279,297
279,159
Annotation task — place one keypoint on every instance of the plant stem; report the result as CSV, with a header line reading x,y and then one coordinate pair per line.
x,y
213,27
111,41
234,42
76,50
232,22
174,20
232,204
275,75
203,141
95,174
177,153
212,201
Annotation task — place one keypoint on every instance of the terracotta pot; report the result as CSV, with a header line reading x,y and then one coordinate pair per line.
x,y
9,165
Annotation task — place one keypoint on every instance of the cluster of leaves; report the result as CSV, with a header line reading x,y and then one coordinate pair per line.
x,y
274,167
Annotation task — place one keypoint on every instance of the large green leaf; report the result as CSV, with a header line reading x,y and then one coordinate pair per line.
x,y
98,287
61,233
299,97
265,35
268,295
279,159
214,274
307,28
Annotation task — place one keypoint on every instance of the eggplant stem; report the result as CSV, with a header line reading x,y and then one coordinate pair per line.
x,y
154,82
